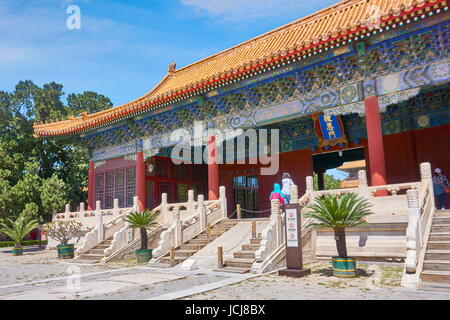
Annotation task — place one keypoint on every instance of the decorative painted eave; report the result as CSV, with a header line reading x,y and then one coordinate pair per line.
x,y
328,29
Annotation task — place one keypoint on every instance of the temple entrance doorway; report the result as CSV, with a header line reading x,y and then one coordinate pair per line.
x,y
338,169
245,191
163,176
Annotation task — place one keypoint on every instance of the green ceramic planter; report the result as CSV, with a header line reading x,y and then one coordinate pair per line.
x,y
17,251
344,267
143,256
65,251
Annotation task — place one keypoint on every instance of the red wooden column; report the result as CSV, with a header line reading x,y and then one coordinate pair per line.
x,y
91,177
140,180
213,169
375,142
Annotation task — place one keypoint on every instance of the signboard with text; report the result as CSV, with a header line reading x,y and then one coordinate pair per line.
x,y
291,228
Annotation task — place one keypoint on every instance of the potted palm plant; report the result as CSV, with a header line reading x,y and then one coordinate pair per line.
x,y
339,212
17,230
63,231
143,221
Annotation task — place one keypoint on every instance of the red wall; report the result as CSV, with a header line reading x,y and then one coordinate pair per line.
x,y
403,154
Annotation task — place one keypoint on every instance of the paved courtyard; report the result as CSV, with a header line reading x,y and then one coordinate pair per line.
x,y
38,274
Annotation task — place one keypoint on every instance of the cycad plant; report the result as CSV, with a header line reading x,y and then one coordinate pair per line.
x,y
339,211
143,221
18,229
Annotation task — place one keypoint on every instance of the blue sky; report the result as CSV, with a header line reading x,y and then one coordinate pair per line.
x,y
124,47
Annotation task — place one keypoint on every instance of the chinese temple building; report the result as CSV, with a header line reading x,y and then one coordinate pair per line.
x,y
352,168
360,80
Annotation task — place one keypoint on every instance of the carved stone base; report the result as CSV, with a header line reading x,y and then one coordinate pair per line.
x,y
294,273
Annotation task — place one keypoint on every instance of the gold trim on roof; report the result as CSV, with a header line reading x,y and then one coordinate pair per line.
x,y
327,25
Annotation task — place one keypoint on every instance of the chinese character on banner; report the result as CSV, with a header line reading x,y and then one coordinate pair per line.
x,y
329,130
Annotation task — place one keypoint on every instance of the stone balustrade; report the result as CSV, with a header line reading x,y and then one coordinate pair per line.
x,y
184,228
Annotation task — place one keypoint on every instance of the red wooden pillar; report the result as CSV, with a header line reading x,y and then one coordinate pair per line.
x,y
213,169
375,142
140,180
91,177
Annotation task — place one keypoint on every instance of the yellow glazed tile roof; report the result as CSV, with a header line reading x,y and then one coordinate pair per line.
x,y
323,27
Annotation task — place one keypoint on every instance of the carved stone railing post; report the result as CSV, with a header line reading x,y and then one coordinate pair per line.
x,y
426,178
178,236
164,211
98,205
413,231
129,232
294,194
190,202
223,201
82,207
276,217
116,207
309,183
67,211
363,187
310,186
201,209
99,226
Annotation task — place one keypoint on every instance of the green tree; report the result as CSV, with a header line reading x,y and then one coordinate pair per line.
x,y
339,212
143,221
329,181
38,176
18,229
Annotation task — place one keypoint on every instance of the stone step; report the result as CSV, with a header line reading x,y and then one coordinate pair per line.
x,y
188,246
102,246
205,237
184,253
203,242
440,228
435,286
245,254
255,240
438,245
89,256
97,251
441,236
437,255
250,247
442,213
436,265
441,220
85,261
177,260
107,242
239,263
158,265
233,270
435,276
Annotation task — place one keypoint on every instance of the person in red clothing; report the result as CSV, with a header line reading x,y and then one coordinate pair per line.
x,y
277,194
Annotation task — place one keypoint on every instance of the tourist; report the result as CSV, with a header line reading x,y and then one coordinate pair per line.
x,y
440,186
287,183
277,194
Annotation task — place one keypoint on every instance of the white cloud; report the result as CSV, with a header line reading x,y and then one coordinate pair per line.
x,y
250,10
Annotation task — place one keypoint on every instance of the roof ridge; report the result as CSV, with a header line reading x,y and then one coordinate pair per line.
x,y
266,34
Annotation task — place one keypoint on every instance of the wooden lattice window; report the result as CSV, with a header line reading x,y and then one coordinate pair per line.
x,y
131,186
99,185
109,190
119,189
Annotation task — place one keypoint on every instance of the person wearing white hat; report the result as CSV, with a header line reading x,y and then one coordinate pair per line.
x,y
440,187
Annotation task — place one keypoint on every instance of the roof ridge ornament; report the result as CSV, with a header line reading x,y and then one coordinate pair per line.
x,y
172,67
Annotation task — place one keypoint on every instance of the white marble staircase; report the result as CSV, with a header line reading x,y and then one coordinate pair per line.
x,y
186,250
436,267
96,254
